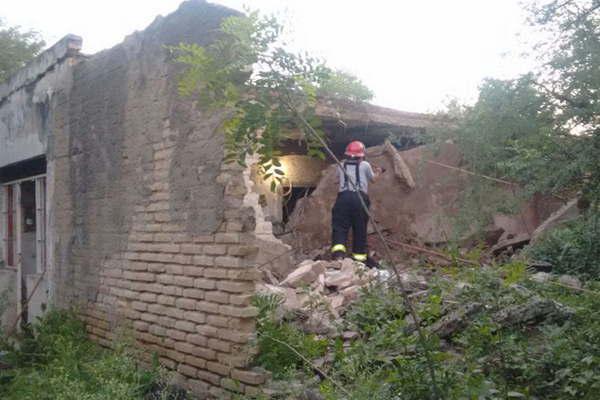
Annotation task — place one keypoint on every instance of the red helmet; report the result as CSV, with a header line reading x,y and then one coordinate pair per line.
x,y
355,149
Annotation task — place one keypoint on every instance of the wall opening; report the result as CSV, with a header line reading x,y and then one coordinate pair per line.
x,y
23,234
289,204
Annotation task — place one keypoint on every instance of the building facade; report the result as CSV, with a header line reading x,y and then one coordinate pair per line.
x,y
115,199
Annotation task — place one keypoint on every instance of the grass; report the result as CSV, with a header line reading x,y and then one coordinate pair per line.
x,y
54,360
547,360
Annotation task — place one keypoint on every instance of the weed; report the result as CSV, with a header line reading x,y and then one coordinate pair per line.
x,y
55,361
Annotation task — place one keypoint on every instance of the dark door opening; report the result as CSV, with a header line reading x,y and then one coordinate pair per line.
x,y
289,203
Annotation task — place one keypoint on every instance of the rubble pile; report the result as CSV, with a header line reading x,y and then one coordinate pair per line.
x,y
416,201
318,292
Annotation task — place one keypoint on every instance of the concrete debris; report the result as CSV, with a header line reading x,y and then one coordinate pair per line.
x,y
511,243
455,321
401,170
535,310
570,281
564,280
320,291
416,201
413,282
305,274
541,277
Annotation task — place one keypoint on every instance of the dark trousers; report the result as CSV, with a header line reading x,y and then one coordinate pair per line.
x,y
347,213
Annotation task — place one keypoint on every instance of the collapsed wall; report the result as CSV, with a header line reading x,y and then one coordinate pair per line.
x,y
416,200
150,234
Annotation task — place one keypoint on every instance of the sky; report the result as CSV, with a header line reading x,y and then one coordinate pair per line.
x,y
415,55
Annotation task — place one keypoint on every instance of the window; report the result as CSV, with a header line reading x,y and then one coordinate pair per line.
x,y
23,224
9,228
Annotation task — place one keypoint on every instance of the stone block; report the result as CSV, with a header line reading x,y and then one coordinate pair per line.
x,y
166,300
183,347
208,307
193,270
157,309
186,304
148,297
217,368
141,326
202,283
173,269
137,305
241,299
194,294
217,297
242,312
219,345
229,262
184,281
191,248
246,274
196,339
185,326
215,249
176,335
305,274
203,260
187,370
217,320
207,330
215,273
236,287
249,377
209,377
195,361
227,238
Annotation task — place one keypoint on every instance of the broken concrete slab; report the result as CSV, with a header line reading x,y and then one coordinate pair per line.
x,y
401,170
512,243
455,321
541,277
305,274
413,282
570,281
566,213
535,310
339,279
422,214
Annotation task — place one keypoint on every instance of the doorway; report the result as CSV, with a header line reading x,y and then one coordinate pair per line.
x,y
24,241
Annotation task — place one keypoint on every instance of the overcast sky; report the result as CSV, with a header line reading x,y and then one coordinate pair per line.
x,y
414,54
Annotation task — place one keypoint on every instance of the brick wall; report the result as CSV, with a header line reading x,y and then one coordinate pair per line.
x,y
149,234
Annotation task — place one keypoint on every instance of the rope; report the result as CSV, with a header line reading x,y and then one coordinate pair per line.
x,y
407,301
431,252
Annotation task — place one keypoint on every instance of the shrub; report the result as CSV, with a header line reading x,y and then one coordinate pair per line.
x,y
573,248
272,333
55,361
547,360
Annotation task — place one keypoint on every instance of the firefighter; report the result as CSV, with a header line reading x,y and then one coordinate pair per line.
x,y
348,211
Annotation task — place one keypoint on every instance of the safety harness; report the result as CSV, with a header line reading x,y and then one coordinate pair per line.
x,y
346,185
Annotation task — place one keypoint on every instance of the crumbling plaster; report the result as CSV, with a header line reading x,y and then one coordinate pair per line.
x,y
147,228
25,101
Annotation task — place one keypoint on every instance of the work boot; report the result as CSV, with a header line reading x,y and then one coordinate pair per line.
x,y
371,263
338,255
